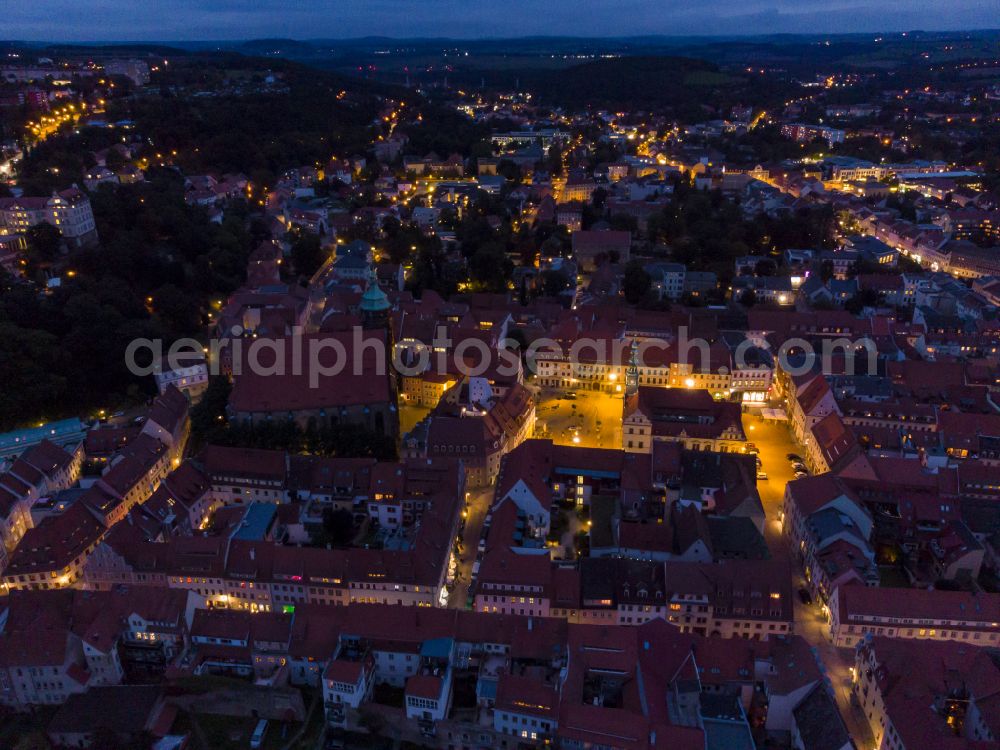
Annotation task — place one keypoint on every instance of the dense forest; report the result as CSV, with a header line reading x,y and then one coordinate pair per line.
x,y
225,114
158,267
682,85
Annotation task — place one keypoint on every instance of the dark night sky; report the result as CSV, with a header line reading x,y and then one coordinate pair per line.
x,y
144,20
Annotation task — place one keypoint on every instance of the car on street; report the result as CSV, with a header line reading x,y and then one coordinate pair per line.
x,y
805,596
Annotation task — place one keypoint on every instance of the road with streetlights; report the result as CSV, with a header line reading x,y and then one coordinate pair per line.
x,y
474,515
774,442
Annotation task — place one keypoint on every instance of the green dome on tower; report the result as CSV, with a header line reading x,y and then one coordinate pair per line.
x,y
374,299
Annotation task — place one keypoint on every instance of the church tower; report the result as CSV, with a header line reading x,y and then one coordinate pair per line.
x,y
374,305
375,316
632,372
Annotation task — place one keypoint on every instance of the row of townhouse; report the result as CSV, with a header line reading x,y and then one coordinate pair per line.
x,y
534,676
266,576
531,680
911,497
242,476
941,410
723,367
39,471
393,494
537,681
830,531
857,612
927,695
737,599
54,644
52,554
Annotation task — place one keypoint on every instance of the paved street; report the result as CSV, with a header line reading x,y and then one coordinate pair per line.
x,y
478,505
810,623
775,442
591,420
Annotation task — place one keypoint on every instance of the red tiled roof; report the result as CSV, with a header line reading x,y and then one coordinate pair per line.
x,y
290,392
915,678
104,440
835,439
525,695
811,396
169,409
342,670
47,457
918,604
250,463
424,686
810,494
55,542
217,623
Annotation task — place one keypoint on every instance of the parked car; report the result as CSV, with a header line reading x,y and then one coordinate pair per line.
x,y
805,596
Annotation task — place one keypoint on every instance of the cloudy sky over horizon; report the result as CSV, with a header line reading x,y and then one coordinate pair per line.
x,y
197,20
